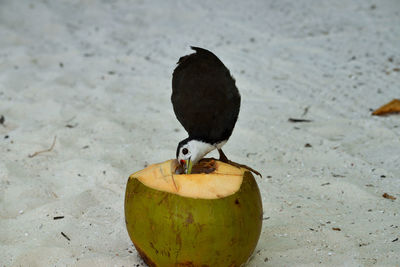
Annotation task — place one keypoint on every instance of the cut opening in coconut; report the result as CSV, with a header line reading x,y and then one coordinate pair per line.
x,y
210,179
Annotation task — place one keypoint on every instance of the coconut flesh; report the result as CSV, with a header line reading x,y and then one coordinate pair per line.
x,y
200,219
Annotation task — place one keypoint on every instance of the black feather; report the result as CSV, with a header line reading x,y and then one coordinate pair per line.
x,y
204,96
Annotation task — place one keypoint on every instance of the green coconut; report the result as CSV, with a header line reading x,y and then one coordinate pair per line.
x,y
202,219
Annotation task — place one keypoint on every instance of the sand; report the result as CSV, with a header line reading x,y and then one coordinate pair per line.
x,y
97,75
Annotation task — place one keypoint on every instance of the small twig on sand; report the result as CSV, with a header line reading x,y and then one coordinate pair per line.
x,y
298,120
66,237
46,150
305,111
2,120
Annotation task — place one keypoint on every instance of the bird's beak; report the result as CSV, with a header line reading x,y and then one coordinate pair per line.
x,y
187,165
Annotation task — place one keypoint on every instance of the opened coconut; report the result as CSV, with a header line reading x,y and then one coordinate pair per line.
x,y
203,219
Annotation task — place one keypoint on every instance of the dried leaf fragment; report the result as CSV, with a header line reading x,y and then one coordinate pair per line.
x,y
386,195
391,107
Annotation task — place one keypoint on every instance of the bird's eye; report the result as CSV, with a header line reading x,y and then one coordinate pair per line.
x,y
185,151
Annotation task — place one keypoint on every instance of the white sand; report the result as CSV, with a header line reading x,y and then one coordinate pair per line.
x,y
105,70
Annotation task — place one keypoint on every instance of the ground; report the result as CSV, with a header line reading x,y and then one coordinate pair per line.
x,y
97,76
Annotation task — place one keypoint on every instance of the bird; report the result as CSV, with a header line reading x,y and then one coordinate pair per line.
x,y
206,102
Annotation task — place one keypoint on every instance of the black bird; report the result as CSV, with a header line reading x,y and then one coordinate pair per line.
x,y
206,102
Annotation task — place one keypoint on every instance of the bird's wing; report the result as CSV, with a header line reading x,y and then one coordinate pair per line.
x,y
204,96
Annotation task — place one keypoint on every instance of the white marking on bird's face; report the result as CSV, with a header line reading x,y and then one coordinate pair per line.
x,y
194,150
184,153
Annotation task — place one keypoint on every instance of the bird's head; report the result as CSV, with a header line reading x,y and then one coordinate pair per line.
x,y
189,152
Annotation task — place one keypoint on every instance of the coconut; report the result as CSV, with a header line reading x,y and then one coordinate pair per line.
x,y
206,219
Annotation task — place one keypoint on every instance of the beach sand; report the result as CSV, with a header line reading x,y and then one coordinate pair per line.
x,y
97,76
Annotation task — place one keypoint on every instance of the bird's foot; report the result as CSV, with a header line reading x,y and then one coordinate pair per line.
x,y
243,166
223,158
